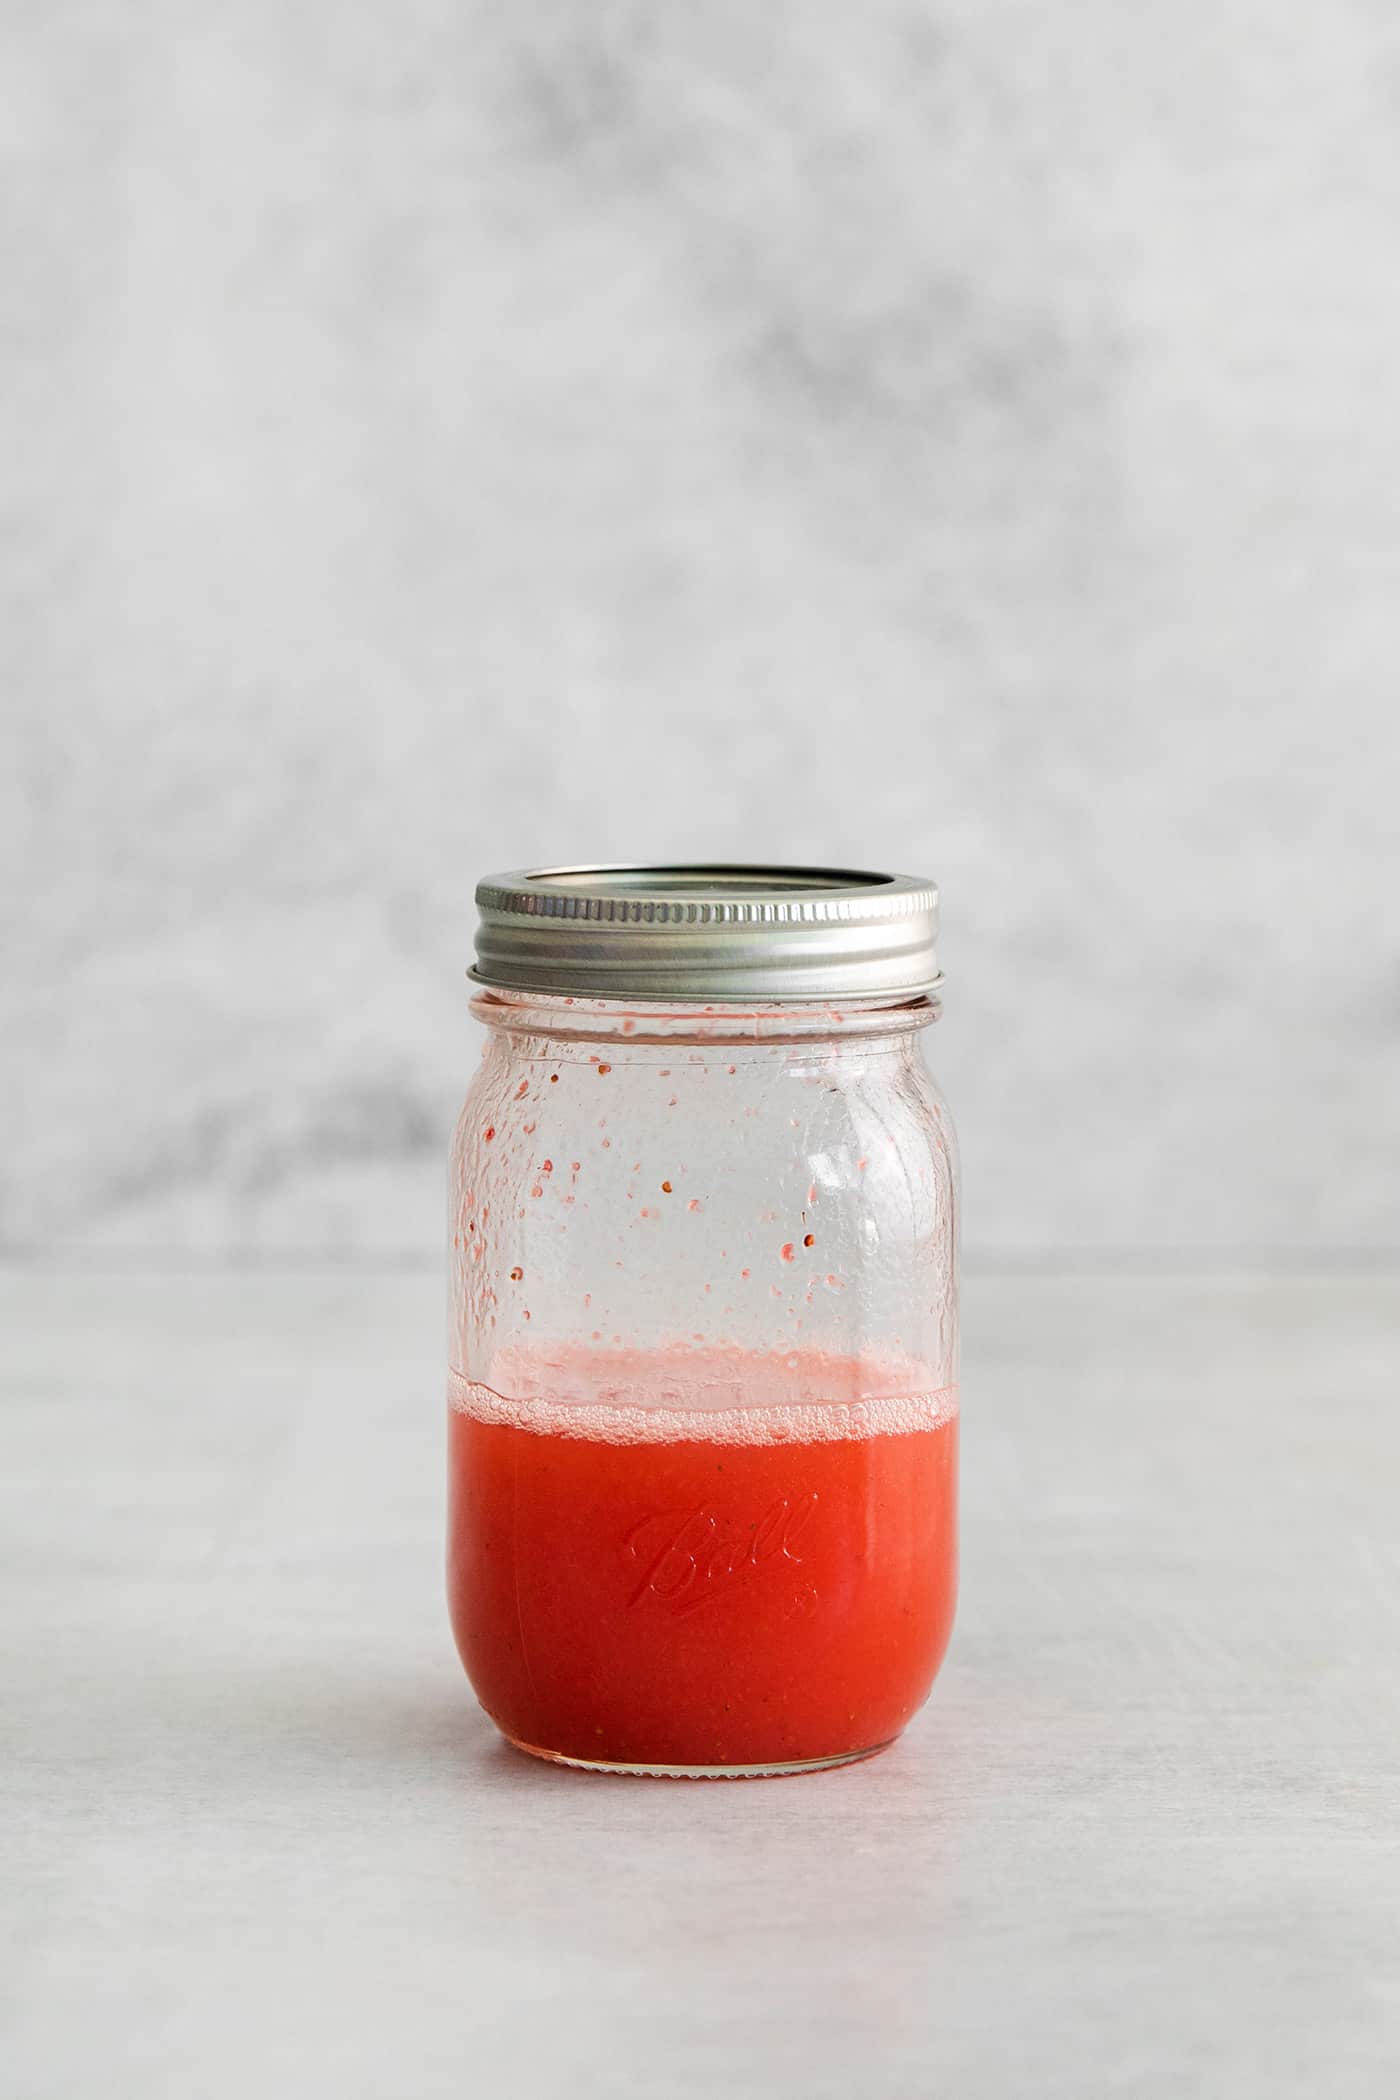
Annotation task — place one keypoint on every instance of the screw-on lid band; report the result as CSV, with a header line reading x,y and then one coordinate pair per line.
x,y
708,933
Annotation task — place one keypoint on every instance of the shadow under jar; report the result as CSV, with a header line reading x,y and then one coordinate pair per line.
x,y
703,1336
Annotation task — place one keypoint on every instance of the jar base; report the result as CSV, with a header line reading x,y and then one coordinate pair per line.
x,y
644,1771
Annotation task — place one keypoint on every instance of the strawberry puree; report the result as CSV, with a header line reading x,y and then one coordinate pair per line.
x,y
700,1558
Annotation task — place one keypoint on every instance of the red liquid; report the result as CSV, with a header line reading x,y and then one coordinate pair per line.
x,y
703,1587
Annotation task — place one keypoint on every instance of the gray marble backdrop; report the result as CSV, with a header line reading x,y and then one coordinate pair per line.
x,y
960,437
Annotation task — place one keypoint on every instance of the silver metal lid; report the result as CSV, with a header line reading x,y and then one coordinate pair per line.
x,y
708,934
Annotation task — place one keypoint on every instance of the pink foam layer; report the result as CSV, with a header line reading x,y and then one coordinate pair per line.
x,y
766,1417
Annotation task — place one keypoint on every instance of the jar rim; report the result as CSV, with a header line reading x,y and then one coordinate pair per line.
x,y
636,1023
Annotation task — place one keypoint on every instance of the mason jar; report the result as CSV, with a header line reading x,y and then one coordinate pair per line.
x,y
703,1329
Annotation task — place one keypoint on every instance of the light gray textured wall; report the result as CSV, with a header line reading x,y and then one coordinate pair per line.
x,y
959,437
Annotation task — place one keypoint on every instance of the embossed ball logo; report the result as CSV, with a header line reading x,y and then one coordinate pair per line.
x,y
690,1557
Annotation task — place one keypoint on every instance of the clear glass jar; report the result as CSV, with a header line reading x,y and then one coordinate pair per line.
x,y
703,1375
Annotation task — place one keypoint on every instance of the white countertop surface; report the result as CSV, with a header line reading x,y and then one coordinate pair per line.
x,y
260,1841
